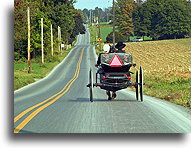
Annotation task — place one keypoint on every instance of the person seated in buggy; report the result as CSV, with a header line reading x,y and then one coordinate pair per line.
x,y
106,69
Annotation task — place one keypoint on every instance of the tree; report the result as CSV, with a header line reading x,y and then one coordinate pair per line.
x,y
139,2
118,37
86,15
20,27
79,27
57,12
163,19
124,9
142,20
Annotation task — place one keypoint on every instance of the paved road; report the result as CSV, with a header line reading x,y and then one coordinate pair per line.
x,y
60,103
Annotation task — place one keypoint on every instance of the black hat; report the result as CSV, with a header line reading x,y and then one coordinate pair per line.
x,y
120,45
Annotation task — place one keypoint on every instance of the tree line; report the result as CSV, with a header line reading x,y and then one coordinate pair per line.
x,y
163,19
56,12
158,19
91,15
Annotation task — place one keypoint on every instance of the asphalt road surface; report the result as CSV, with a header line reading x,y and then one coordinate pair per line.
x,y
60,103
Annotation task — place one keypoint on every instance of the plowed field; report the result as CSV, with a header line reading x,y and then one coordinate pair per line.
x,y
166,68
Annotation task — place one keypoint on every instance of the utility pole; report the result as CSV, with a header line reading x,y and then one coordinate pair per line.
x,y
58,38
42,44
90,17
99,36
52,48
107,18
113,22
29,63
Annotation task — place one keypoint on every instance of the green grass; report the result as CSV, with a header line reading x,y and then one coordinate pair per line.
x,y
104,32
93,34
38,70
170,88
146,38
173,89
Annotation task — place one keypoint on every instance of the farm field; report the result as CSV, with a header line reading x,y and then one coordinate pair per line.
x,y
166,68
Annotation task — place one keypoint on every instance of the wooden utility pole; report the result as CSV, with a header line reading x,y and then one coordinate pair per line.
x,y
58,38
113,22
29,57
99,32
90,17
42,44
52,48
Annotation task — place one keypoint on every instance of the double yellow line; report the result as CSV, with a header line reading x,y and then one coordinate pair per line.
x,y
51,100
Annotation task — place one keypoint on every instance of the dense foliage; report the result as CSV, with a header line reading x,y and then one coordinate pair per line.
x,y
163,19
158,19
56,12
118,37
124,9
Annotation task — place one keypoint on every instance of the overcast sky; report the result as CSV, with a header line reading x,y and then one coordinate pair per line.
x,y
91,4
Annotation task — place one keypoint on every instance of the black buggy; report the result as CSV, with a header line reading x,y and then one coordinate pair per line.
x,y
113,74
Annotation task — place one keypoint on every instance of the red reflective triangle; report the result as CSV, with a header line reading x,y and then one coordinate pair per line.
x,y
115,62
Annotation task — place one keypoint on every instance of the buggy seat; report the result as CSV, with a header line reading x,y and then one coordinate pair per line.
x,y
116,62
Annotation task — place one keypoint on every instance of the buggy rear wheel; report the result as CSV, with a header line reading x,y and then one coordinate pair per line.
x,y
91,85
141,83
137,86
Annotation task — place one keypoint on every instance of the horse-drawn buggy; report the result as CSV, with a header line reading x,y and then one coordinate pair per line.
x,y
114,74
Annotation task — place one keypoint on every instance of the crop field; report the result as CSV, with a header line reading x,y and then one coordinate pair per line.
x,y
162,57
166,68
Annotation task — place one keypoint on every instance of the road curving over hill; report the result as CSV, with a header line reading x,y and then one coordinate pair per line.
x,y
60,103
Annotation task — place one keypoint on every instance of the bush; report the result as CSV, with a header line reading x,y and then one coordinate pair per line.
x,y
118,37
53,59
18,58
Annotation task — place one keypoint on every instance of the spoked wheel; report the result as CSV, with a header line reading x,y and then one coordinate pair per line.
x,y
91,85
141,83
136,87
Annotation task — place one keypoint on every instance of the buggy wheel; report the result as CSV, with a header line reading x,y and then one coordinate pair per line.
x,y
141,83
91,85
136,87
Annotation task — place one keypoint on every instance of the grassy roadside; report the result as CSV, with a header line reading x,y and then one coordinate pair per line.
x,y
166,68
93,38
38,70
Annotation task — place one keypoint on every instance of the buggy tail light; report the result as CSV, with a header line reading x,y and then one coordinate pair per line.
x,y
132,83
128,77
107,76
103,77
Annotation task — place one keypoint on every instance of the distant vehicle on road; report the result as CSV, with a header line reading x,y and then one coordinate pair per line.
x,y
137,40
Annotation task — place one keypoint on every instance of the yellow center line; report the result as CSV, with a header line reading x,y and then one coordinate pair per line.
x,y
32,115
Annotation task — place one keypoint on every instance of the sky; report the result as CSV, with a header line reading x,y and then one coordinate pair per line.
x,y
91,4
